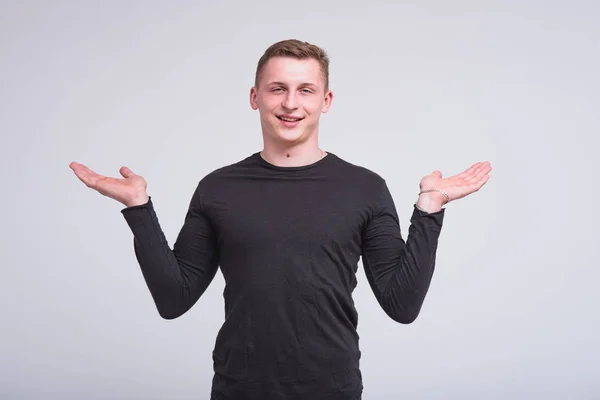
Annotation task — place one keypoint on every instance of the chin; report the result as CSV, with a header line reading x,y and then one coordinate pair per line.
x,y
291,136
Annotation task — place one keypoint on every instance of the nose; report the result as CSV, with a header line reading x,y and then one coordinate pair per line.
x,y
289,101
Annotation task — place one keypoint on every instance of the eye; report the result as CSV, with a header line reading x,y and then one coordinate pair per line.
x,y
307,91
277,89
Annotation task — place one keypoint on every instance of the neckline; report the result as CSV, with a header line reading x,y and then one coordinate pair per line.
x,y
265,163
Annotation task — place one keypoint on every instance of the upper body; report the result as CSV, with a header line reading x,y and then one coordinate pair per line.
x,y
287,226
288,241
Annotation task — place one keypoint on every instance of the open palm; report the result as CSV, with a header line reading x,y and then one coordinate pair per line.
x,y
129,190
460,185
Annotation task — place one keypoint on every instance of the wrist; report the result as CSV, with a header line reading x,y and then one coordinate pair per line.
x,y
137,201
431,202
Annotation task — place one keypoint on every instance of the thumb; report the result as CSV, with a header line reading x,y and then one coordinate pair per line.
x,y
437,173
126,172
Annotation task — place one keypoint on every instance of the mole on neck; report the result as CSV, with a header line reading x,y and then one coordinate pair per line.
x,y
287,155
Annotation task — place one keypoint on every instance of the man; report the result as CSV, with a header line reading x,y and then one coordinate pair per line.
x,y
287,226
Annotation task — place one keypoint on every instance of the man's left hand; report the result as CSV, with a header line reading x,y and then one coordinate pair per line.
x,y
456,187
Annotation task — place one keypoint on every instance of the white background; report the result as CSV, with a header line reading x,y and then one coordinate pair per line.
x,y
512,312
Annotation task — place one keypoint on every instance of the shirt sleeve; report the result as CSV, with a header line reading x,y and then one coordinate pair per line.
x,y
399,272
175,277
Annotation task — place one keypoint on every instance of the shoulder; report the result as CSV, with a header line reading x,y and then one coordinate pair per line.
x,y
358,174
366,186
229,170
220,178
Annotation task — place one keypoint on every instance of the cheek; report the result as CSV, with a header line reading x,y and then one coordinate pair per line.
x,y
314,110
266,109
315,105
270,106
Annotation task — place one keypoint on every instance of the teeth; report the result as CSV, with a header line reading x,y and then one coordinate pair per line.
x,y
289,119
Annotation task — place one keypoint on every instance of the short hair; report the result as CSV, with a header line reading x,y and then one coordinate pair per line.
x,y
296,49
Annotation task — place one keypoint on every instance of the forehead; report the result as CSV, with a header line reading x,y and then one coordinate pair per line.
x,y
292,71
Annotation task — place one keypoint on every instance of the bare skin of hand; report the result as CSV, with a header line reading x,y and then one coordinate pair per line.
x,y
456,187
129,190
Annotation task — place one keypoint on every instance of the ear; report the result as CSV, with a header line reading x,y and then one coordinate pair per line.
x,y
327,102
253,96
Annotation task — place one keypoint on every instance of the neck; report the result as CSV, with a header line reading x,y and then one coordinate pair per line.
x,y
292,156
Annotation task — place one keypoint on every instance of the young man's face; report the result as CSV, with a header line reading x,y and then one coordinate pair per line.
x,y
290,98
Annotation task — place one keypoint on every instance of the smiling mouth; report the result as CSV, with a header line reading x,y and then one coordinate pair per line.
x,y
289,119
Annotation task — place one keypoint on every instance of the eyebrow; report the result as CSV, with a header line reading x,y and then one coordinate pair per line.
x,y
283,84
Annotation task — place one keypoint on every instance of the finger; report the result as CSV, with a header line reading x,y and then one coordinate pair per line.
x,y
85,174
437,173
483,181
483,170
77,167
475,171
468,173
475,186
126,172
89,178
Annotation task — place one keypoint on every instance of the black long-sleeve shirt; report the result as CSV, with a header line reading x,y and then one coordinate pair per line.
x,y
288,241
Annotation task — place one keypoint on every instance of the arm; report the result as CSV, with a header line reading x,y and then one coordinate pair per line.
x,y
175,277
399,273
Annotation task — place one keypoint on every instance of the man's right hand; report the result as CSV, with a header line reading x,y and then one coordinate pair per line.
x,y
130,191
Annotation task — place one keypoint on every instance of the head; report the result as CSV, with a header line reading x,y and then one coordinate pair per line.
x,y
291,91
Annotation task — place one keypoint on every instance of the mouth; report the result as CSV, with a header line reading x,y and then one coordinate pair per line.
x,y
290,119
